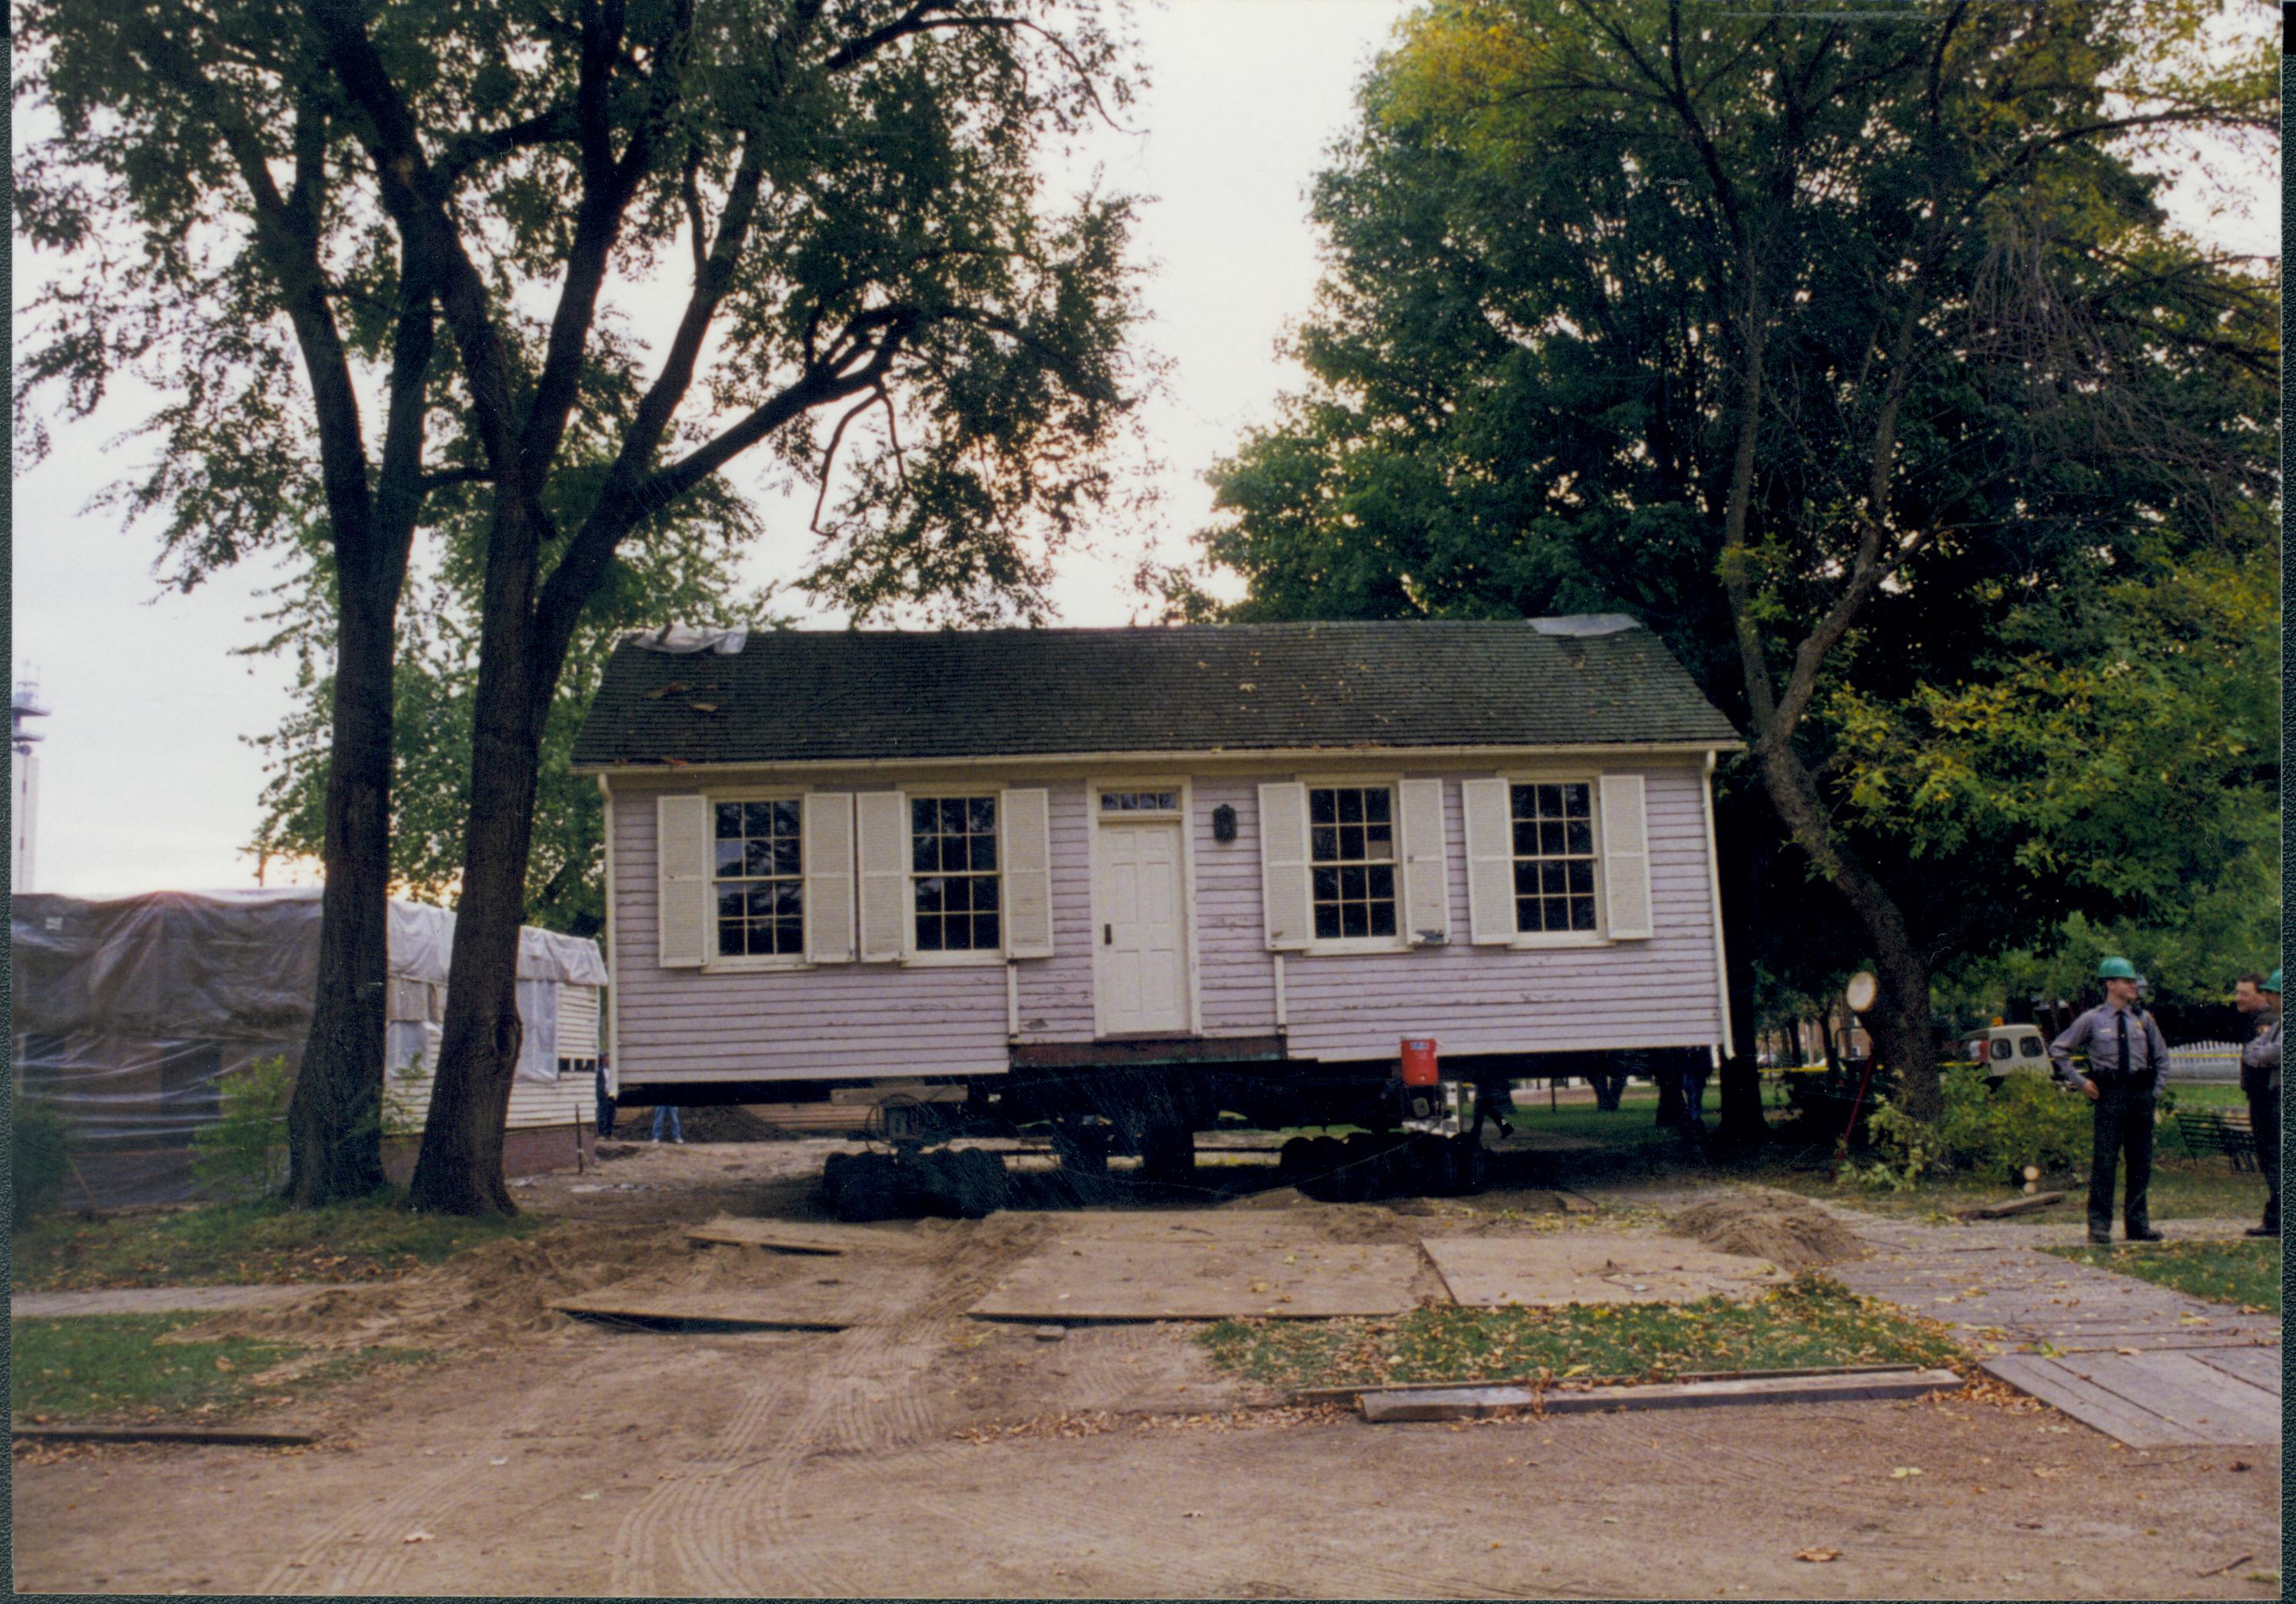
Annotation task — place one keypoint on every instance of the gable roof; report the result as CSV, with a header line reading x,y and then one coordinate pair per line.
x,y
818,695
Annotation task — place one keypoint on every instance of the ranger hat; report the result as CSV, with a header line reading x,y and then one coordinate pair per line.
x,y
2116,969
2273,985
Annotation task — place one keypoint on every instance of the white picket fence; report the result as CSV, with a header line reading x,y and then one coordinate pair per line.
x,y
2204,1061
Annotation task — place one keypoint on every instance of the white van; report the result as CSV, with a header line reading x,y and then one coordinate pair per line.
x,y
2010,1049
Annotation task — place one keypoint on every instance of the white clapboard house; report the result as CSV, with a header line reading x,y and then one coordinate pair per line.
x,y
1241,862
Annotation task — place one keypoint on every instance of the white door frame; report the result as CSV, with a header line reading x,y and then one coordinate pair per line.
x,y
1186,819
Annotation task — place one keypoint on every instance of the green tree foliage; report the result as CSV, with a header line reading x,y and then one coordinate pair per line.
x,y
690,571
243,1155
1856,356
448,212
39,1140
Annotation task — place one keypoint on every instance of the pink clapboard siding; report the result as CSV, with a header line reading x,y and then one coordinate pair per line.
x,y
1472,999
838,1021
923,1019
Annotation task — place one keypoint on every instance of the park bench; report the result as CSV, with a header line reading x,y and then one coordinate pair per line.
x,y
2206,1131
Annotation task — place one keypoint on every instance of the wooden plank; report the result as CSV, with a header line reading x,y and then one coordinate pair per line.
x,y
693,1311
2144,1380
1349,1394
1435,1403
248,1437
824,1296
794,1236
2245,1407
2002,1211
2092,1405
2257,1366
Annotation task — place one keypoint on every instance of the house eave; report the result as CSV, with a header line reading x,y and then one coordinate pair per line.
x,y
1226,757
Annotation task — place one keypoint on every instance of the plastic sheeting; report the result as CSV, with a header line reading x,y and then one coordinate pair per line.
x,y
128,1012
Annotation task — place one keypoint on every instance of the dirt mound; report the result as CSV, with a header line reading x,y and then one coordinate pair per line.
x,y
1791,1234
481,1298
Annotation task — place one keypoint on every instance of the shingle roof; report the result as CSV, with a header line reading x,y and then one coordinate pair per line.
x,y
813,695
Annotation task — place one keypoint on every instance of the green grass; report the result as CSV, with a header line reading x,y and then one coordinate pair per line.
x,y
1811,1322
2182,1189
243,1243
2245,1272
102,1367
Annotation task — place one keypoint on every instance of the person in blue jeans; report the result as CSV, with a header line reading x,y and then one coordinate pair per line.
x,y
677,1132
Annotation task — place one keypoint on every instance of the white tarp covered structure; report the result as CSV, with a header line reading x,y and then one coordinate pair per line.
x,y
128,1012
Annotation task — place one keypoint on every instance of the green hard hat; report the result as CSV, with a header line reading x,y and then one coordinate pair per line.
x,y
2116,969
2273,985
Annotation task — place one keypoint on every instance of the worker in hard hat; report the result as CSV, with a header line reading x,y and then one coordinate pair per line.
x,y
2126,1054
2259,1078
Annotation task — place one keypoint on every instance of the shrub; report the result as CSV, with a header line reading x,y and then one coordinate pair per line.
x,y
243,1154
1981,1132
40,1143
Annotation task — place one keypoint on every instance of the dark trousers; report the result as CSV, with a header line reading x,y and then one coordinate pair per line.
x,y
606,1107
2264,1120
2122,1128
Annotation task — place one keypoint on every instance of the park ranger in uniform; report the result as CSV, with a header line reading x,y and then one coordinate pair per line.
x,y
2259,1078
2126,1055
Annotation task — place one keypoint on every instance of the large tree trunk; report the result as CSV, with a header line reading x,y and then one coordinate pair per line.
x,y
460,1168
334,1124
1899,1018
1742,1122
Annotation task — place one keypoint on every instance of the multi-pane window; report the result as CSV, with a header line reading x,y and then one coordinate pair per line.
x,y
1554,857
758,879
953,860
1351,858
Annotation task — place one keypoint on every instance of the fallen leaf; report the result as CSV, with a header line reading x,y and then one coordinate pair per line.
x,y
1902,1471
416,1537
498,1461
1818,1556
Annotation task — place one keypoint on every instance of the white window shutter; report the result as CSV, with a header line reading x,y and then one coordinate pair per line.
x,y
1491,861
827,839
1626,858
682,868
1284,866
1025,855
1426,868
882,818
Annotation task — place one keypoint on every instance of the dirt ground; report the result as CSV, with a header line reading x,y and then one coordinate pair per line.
x,y
929,1454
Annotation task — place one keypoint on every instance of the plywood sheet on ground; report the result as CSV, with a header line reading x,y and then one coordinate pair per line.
x,y
1129,1272
1590,1267
793,1236
2149,1400
830,1301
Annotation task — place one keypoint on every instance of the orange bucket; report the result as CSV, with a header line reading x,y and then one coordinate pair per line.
x,y
1419,1061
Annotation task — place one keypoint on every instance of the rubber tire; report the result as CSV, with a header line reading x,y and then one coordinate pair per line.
x,y
1326,1155
1366,1174
980,1187
1291,1161
1167,1156
1463,1165
871,1190
1424,1167
834,1170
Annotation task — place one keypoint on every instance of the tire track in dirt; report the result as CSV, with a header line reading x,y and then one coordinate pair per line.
x,y
375,1532
717,1530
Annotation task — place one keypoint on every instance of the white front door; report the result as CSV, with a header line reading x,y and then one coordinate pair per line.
x,y
1140,967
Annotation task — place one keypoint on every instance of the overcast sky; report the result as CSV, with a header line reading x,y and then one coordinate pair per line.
x,y
146,780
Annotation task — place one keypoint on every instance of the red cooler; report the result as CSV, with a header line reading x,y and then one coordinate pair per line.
x,y
1419,1061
